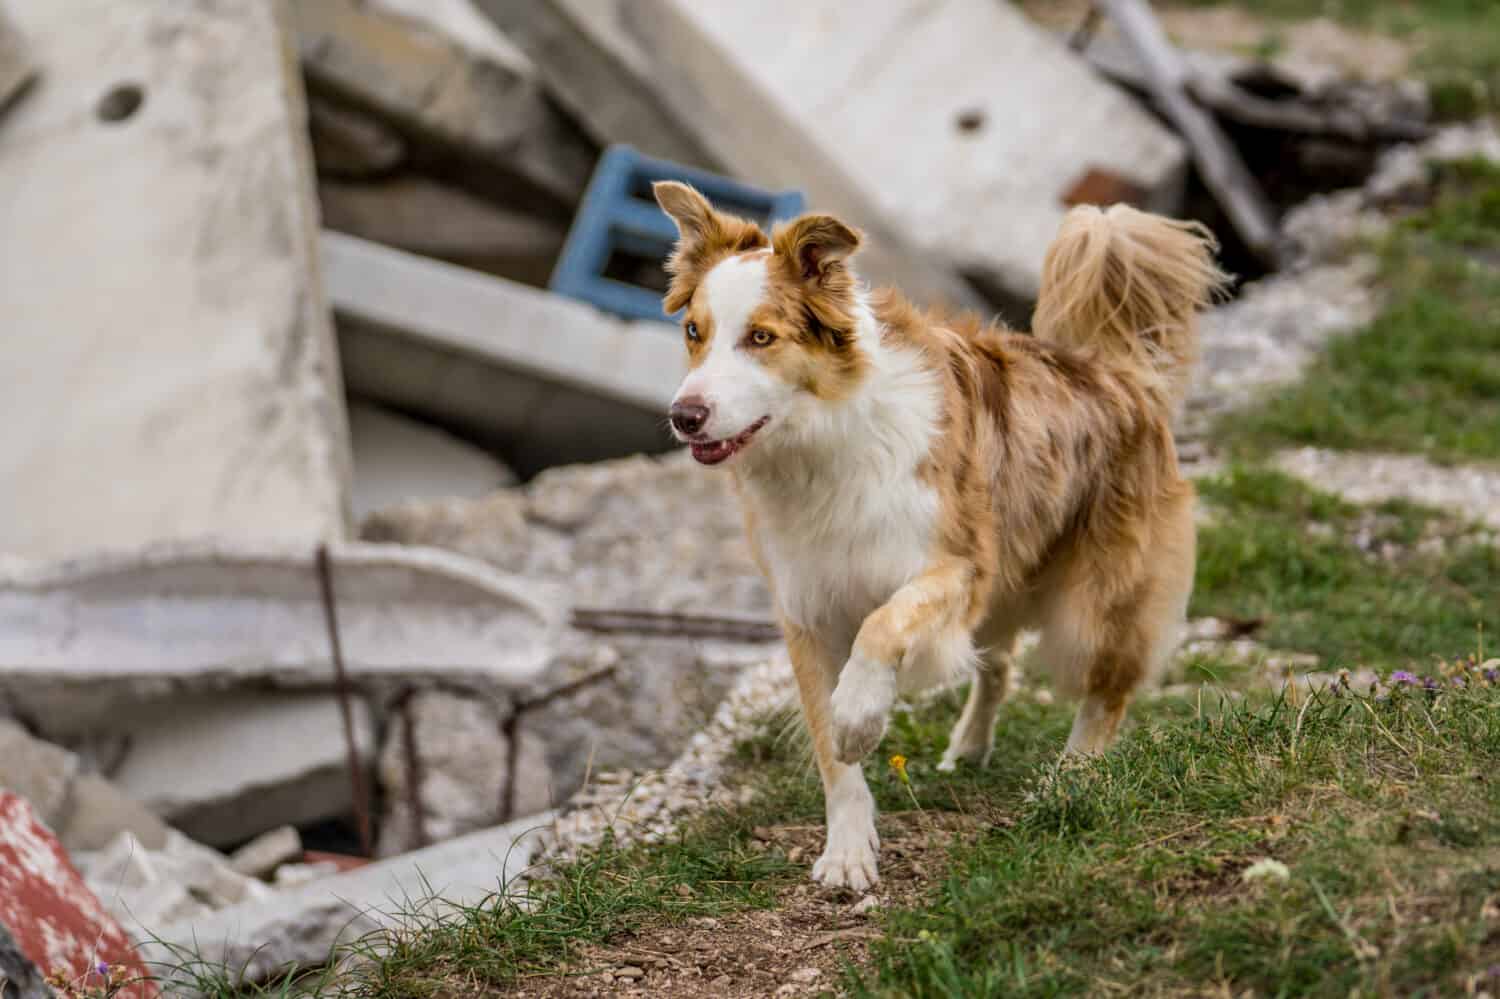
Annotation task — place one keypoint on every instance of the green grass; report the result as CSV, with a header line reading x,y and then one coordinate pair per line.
x,y
1456,42
1124,875
1424,377
1278,550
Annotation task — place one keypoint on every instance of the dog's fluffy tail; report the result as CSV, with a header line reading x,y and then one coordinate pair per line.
x,y
1125,286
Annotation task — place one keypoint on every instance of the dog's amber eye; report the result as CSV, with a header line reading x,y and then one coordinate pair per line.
x,y
691,329
761,338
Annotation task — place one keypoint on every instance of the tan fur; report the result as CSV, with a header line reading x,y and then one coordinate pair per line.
x,y
1061,506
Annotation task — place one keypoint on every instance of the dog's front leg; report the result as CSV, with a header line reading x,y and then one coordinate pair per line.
x,y
849,856
924,628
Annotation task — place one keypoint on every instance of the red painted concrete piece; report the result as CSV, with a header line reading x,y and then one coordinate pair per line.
x,y
55,920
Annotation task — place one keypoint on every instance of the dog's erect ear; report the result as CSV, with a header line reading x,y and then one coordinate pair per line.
x,y
816,243
704,237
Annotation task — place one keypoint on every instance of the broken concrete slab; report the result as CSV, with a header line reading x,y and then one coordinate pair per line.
x,y
151,887
79,640
226,768
427,217
595,69
85,811
800,92
439,93
189,372
301,925
546,378
398,459
349,143
260,857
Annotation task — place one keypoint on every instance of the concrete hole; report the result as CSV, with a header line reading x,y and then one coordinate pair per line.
x,y
122,101
969,121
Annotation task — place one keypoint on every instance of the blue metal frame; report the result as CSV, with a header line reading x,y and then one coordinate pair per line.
x,y
617,212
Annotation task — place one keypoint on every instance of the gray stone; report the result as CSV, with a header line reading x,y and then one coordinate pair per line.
x,y
226,768
189,371
398,459
82,641
260,857
419,215
302,924
462,768
439,93
38,771
99,811
84,811
798,92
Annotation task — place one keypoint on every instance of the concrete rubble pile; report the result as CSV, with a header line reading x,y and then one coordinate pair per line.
x,y
326,577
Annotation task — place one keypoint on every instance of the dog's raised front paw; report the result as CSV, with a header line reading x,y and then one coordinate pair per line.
x,y
860,708
850,859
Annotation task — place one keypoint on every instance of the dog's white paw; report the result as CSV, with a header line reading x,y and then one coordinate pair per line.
x,y
850,858
861,707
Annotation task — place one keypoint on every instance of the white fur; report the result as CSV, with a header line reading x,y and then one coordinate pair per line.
x,y
849,857
842,519
737,390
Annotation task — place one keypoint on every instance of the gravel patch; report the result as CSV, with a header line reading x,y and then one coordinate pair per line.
x,y
1472,491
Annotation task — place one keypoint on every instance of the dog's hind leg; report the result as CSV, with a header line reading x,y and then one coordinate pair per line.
x,y
849,857
973,737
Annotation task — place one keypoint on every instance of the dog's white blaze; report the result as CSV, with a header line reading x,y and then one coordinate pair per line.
x,y
844,520
738,390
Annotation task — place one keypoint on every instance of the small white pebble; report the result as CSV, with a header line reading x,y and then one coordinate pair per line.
x,y
1264,868
867,904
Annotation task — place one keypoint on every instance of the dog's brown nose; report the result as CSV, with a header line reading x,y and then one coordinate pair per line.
x,y
689,414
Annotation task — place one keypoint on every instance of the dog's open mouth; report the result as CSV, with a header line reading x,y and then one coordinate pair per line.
x,y
714,452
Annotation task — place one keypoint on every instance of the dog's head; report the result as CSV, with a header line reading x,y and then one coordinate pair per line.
x,y
770,323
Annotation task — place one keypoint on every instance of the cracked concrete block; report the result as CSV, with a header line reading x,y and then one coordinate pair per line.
x,y
223,769
83,642
956,126
445,95
188,372
301,924
397,459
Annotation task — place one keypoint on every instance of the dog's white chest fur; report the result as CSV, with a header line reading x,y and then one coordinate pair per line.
x,y
841,516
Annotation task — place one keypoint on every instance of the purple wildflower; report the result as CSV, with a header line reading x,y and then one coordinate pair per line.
x,y
1458,681
103,968
1492,675
1401,676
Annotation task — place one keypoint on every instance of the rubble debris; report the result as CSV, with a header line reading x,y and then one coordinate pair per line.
x,y
223,769
593,67
182,880
50,923
302,924
83,810
445,767
976,181
260,857
461,22
440,94
189,372
397,459
642,533
21,978
550,379
1218,162
175,619
349,144
16,68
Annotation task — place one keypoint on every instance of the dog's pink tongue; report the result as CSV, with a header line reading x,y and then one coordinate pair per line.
x,y
713,452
